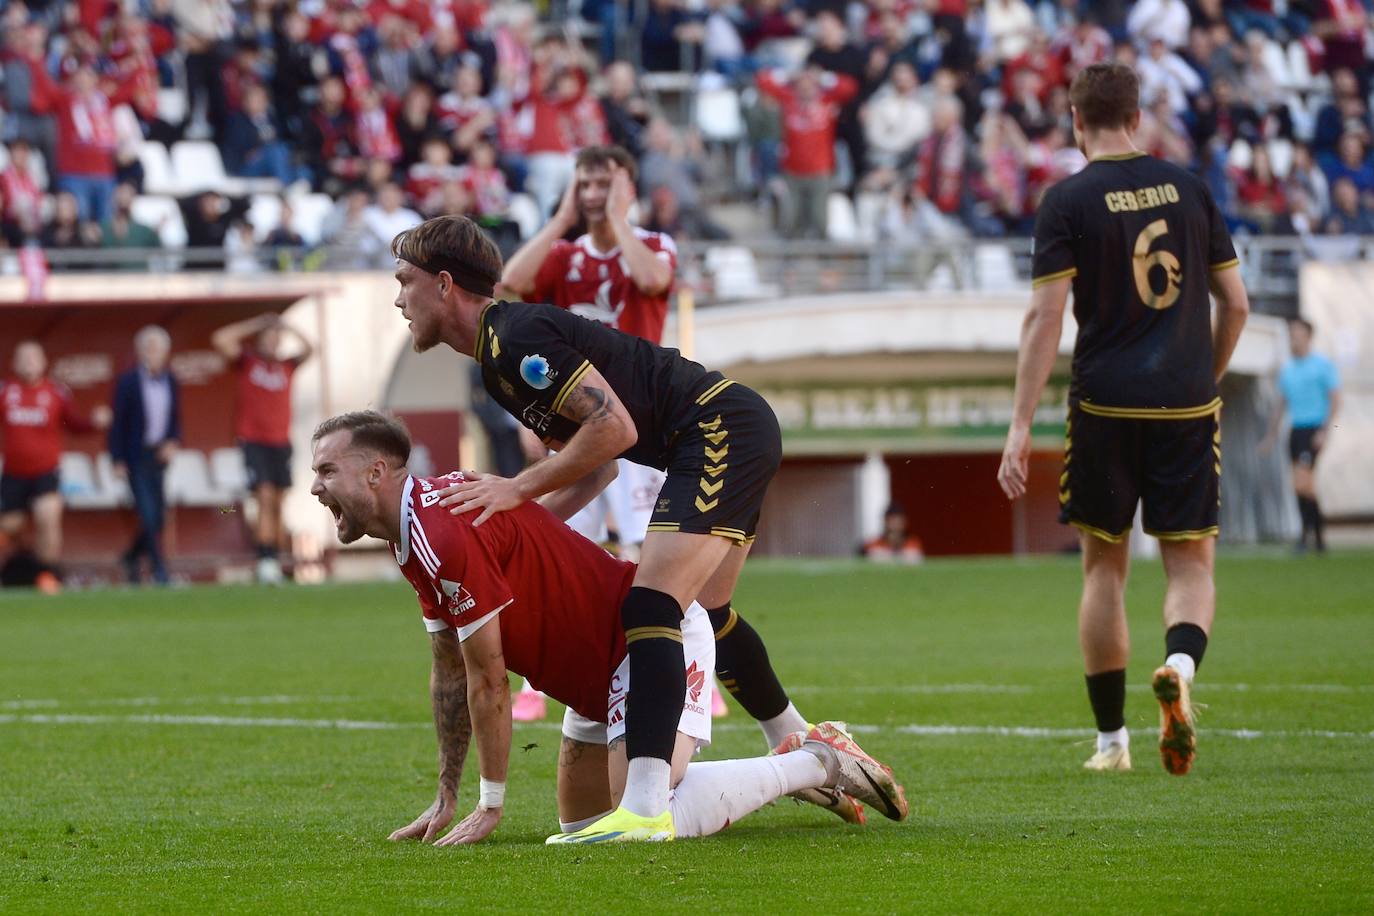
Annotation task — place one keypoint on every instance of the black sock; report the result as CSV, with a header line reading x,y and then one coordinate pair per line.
x,y
1318,523
1107,694
1187,638
658,673
1306,509
743,667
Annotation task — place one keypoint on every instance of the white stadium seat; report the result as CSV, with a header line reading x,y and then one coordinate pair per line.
x,y
163,215
264,214
525,212
718,115
198,167
311,210
228,473
158,177
735,274
116,489
840,224
188,480
80,489
171,105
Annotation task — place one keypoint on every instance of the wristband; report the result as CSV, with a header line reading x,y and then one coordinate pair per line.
x,y
491,794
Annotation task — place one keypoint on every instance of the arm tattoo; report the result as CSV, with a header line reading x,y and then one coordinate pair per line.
x,y
448,688
589,405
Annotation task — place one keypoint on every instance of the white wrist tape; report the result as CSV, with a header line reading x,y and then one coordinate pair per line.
x,y
491,794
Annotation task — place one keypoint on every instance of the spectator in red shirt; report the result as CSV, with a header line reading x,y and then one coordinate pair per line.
x,y
262,421
1261,195
811,103
33,413
86,141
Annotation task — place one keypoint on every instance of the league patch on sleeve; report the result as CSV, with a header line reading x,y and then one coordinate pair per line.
x,y
536,372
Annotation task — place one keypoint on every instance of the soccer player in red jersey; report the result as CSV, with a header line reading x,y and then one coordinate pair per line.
x,y
262,421
525,593
34,410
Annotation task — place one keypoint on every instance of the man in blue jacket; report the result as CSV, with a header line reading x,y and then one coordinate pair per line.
x,y
143,439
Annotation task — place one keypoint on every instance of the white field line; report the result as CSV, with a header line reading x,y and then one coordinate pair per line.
x,y
933,731
935,689
273,700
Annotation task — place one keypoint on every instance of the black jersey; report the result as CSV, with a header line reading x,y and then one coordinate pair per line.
x,y
534,356
1139,237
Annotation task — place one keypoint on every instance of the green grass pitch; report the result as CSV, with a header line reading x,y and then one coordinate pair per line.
x,y
172,751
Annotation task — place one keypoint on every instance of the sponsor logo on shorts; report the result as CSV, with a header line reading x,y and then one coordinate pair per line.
x,y
460,600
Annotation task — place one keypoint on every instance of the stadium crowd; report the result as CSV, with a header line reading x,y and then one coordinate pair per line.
x,y
938,118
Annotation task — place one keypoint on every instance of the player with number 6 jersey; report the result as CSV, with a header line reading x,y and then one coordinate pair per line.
x,y
1142,244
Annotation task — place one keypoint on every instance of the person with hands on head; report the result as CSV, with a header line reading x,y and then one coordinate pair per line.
x,y
593,395
524,592
262,420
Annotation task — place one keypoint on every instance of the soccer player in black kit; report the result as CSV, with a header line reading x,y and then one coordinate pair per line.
x,y
1141,243
593,395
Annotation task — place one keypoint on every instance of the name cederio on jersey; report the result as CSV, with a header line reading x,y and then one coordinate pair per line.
x,y
1142,198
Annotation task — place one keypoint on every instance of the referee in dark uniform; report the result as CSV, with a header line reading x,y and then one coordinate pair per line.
x,y
594,394
1140,242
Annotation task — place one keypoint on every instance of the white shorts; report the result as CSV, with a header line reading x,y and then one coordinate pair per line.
x,y
699,651
628,500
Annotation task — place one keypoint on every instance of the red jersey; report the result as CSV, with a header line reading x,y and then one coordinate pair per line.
x,y
264,404
31,422
556,594
597,285
808,128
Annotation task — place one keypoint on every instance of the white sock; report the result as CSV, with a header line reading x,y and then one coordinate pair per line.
x,y
574,826
714,794
1106,739
646,786
782,725
1182,663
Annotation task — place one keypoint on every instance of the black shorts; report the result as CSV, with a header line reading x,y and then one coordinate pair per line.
x,y
18,493
1173,466
1300,447
719,466
267,464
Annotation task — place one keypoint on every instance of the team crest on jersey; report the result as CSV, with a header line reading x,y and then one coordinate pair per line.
x,y
536,372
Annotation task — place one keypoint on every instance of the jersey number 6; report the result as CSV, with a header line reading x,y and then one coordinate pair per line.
x,y
1145,260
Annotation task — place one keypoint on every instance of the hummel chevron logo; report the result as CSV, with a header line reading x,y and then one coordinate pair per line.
x,y
717,454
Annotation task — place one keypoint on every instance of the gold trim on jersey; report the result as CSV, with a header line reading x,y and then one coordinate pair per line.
x,y
1099,533
729,625
1152,413
1234,262
1050,278
635,634
571,385
481,338
1185,535
663,526
1119,157
714,390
